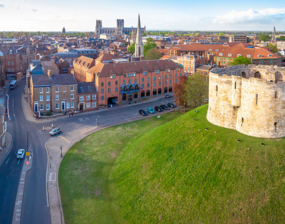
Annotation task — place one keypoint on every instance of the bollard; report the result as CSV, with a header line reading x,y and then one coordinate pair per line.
x,y
43,127
52,125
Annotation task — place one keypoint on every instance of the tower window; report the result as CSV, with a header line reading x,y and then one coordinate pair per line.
x,y
276,94
235,85
217,88
256,99
275,126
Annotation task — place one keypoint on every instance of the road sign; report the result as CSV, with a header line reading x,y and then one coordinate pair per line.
x,y
28,153
27,163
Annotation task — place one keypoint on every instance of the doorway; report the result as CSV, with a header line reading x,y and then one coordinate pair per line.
x,y
62,106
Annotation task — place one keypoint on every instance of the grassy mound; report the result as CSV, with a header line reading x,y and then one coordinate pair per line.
x,y
182,173
173,171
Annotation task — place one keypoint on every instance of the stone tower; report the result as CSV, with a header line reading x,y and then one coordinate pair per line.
x,y
273,35
139,44
63,30
98,27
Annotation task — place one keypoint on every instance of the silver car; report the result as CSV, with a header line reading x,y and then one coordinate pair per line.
x,y
21,154
54,131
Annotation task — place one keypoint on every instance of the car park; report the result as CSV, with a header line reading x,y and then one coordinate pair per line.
x,y
164,107
171,105
142,112
168,96
158,108
55,131
21,154
150,110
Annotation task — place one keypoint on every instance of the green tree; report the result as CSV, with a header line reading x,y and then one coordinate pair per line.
x,y
150,44
180,91
131,48
221,34
153,54
272,47
144,34
241,61
197,89
282,38
264,37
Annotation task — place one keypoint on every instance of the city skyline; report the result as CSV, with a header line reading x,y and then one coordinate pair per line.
x,y
34,15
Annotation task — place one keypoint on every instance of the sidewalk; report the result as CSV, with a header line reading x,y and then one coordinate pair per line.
x,y
66,141
6,150
29,114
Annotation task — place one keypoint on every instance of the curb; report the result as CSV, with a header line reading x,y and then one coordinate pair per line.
x,y
9,150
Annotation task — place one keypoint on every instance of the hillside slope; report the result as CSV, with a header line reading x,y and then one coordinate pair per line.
x,y
181,173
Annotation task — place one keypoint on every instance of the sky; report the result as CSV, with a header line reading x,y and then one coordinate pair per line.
x,y
53,15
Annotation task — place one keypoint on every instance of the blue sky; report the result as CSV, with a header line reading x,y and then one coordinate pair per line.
x,y
52,15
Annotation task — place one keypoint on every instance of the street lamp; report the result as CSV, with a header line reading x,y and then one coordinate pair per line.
x,y
96,122
61,151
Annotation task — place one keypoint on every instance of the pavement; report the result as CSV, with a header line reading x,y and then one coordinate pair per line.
x,y
7,148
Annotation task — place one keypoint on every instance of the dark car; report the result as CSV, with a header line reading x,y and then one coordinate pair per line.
x,y
168,96
164,107
158,108
142,112
171,105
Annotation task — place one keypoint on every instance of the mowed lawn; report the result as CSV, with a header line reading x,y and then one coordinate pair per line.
x,y
177,172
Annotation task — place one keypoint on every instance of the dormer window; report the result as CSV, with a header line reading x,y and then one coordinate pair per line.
x,y
230,55
270,55
259,55
221,54
249,56
239,55
217,50
111,76
210,49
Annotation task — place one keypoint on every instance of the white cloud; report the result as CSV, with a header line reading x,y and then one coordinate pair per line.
x,y
251,16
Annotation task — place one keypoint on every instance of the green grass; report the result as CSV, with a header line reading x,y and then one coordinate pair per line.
x,y
175,173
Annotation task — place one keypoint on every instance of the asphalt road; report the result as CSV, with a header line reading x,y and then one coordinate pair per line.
x,y
35,208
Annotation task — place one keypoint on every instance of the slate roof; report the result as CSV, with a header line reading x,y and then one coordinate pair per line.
x,y
87,87
60,79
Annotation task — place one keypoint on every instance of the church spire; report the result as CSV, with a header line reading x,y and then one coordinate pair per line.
x,y
139,45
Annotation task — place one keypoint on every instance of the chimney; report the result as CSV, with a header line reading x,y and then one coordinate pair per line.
x,y
49,73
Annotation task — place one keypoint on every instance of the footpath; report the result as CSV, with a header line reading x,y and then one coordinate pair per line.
x,y
56,148
7,148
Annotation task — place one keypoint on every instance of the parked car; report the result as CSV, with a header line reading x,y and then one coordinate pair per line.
x,y
150,110
55,131
168,96
171,105
158,108
142,112
164,107
21,154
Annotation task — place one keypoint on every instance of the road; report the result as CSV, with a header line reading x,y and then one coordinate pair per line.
x,y
35,206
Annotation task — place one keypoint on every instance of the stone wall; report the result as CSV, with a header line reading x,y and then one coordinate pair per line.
x,y
250,99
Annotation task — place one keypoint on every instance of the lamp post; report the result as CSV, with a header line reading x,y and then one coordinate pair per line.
x,y
61,151
96,122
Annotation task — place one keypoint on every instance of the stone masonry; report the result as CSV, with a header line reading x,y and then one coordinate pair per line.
x,y
249,99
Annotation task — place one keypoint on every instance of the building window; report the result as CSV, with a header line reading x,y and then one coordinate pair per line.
x,y
102,97
143,73
41,90
102,90
93,104
180,73
116,89
142,85
109,83
276,94
165,82
116,83
175,75
124,82
111,76
41,107
154,84
56,89
159,83
175,80
165,76
94,97
170,76
81,98
88,97
142,79
72,96
109,90
56,106
67,105
102,84
114,76
169,81
41,98
148,85
47,89
159,77
154,78
57,97
47,107
147,78
72,88
88,105
256,99
72,104
47,97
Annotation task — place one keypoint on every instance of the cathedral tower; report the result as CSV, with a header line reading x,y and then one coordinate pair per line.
x,y
139,44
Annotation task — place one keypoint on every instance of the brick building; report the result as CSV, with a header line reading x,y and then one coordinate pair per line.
x,y
81,65
56,93
12,63
87,96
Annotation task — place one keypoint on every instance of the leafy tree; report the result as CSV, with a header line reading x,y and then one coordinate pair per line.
x,y
272,47
130,33
38,33
144,34
150,44
153,54
221,34
282,38
180,91
131,48
197,89
241,61
264,37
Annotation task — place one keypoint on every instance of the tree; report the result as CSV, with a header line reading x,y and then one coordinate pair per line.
x,y
131,48
197,90
221,34
264,37
153,54
144,34
150,44
241,61
272,47
180,91
282,38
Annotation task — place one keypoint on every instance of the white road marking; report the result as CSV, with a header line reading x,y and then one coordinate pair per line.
x,y
18,162
8,160
52,177
12,164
